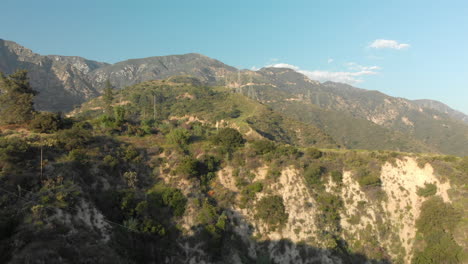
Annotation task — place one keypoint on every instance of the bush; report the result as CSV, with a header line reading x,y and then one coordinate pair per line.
x,y
228,138
14,150
261,147
435,225
170,197
248,193
366,178
313,175
15,155
330,205
271,210
74,138
428,190
46,122
313,153
337,176
175,199
188,167
179,137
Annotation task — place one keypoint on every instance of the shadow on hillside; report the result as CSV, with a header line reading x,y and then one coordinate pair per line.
x,y
234,248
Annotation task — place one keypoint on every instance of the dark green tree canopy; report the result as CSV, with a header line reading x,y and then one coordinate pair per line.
x,y
108,97
16,98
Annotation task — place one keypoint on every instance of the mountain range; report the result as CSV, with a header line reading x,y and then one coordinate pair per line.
x,y
190,160
355,118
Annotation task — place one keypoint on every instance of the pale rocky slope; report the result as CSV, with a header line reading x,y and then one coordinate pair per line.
x,y
390,223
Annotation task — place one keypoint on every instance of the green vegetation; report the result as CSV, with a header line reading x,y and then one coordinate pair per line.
x,y
271,210
313,176
47,122
228,139
435,226
16,98
145,174
179,137
428,190
108,97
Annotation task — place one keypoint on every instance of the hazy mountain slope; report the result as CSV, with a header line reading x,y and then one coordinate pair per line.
x,y
60,80
441,107
290,91
351,132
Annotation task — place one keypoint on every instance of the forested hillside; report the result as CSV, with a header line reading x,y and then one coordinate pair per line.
x,y
174,171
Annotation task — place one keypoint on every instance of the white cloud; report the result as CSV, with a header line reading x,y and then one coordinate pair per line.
x,y
356,67
353,76
388,44
330,60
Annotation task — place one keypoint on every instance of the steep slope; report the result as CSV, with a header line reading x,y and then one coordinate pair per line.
x,y
107,195
60,80
65,82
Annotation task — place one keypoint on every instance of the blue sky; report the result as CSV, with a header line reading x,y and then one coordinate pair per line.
x,y
412,49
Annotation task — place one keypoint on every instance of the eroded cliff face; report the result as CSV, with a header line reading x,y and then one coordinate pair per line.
x,y
368,223
60,80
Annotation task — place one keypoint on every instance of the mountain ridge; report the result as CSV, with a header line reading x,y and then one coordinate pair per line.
x,y
65,82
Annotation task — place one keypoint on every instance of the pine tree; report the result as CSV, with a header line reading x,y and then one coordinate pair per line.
x,y
16,98
108,97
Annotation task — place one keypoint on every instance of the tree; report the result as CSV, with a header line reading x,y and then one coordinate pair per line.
x,y
108,97
16,98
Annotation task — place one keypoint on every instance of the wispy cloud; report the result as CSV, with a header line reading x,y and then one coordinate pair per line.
x,y
356,67
330,60
354,75
388,44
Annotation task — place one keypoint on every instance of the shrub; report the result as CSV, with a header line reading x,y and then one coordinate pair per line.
x,y
330,205
435,225
228,138
179,137
171,197
175,199
313,153
46,122
261,147
207,168
248,193
366,178
428,190
337,176
313,175
188,167
74,138
271,210
78,155
14,150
